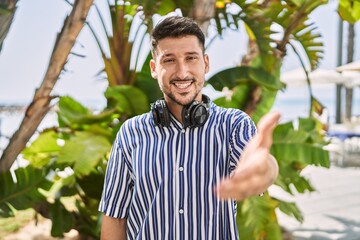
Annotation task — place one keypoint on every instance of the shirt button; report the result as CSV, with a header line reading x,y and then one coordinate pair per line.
x,y
181,211
183,131
181,169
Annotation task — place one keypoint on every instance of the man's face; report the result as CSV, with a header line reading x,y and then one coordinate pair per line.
x,y
180,67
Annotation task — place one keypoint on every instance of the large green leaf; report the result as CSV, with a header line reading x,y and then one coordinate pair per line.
x,y
127,99
92,184
291,209
84,151
22,191
256,218
294,149
42,149
229,78
239,75
265,104
72,113
62,220
238,98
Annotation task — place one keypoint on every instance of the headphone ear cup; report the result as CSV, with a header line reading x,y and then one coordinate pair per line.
x,y
160,113
195,115
199,115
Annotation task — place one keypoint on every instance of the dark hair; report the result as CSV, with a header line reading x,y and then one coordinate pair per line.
x,y
176,27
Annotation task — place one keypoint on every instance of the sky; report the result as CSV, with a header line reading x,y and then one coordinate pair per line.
x,y
27,48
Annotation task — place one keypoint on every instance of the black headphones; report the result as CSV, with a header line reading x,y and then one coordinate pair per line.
x,y
193,115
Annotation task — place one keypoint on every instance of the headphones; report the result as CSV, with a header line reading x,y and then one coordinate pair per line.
x,y
194,114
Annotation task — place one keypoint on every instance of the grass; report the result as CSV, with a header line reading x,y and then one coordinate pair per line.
x,y
13,224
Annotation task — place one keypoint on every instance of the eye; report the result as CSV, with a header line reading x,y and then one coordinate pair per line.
x,y
168,60
191,58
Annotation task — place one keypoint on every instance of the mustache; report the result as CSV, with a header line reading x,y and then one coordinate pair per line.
x,y
182,79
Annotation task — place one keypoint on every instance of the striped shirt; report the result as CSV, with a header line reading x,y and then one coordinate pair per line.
x,y
162,179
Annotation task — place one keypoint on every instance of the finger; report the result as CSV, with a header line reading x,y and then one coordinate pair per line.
x,y
266,127
269,120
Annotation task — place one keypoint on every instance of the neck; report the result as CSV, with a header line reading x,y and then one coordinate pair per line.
x,y
175,110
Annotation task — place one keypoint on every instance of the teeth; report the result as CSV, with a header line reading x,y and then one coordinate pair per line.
x,y
182,85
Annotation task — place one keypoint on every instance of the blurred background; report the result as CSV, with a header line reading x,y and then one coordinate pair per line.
x,y
333,97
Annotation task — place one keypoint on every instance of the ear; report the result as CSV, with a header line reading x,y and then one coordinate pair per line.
x,y
207,63
153,68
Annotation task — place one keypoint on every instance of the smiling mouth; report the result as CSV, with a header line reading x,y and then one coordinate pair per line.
x,y
182,84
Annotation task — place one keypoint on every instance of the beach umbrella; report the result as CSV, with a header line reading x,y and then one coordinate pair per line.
x,y
297,77
353,66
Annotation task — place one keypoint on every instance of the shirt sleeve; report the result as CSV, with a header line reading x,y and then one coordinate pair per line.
x,y
244,130
118,184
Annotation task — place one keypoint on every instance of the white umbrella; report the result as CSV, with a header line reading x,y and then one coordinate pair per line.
x,y
297,77
353,66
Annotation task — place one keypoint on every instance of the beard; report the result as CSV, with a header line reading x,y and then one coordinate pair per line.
x,y
191,97
183,98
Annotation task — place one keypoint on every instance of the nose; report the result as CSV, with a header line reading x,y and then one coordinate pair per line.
x,y
182,71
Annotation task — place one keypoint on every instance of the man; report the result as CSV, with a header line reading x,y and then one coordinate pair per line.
x,y
175,172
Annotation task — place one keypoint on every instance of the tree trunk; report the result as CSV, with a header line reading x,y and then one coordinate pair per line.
x,y
40,105
6,17
350,58
202,12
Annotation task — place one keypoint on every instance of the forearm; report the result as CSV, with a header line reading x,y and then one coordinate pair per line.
x,y
113,228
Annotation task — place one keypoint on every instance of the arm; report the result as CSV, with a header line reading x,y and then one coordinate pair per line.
x,y
113,228
257,168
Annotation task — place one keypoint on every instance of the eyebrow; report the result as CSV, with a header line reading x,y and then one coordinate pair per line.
x,y
187,53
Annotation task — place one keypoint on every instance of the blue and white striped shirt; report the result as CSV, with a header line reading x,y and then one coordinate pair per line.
x,y
162,179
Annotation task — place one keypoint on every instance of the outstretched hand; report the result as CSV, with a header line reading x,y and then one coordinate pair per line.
x,y
257,169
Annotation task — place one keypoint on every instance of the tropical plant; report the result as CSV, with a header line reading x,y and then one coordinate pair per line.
x,y
72,156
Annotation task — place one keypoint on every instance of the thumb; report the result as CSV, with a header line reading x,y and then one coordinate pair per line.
x,y
266,127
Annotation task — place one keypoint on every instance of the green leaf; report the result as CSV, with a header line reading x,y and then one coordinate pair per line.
x,y
263,78
265,104
92,185
349,10
256,218
239,75
61,219
84,151
22,191
238,98
128,99
70,111
42,149
291,209
229,78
